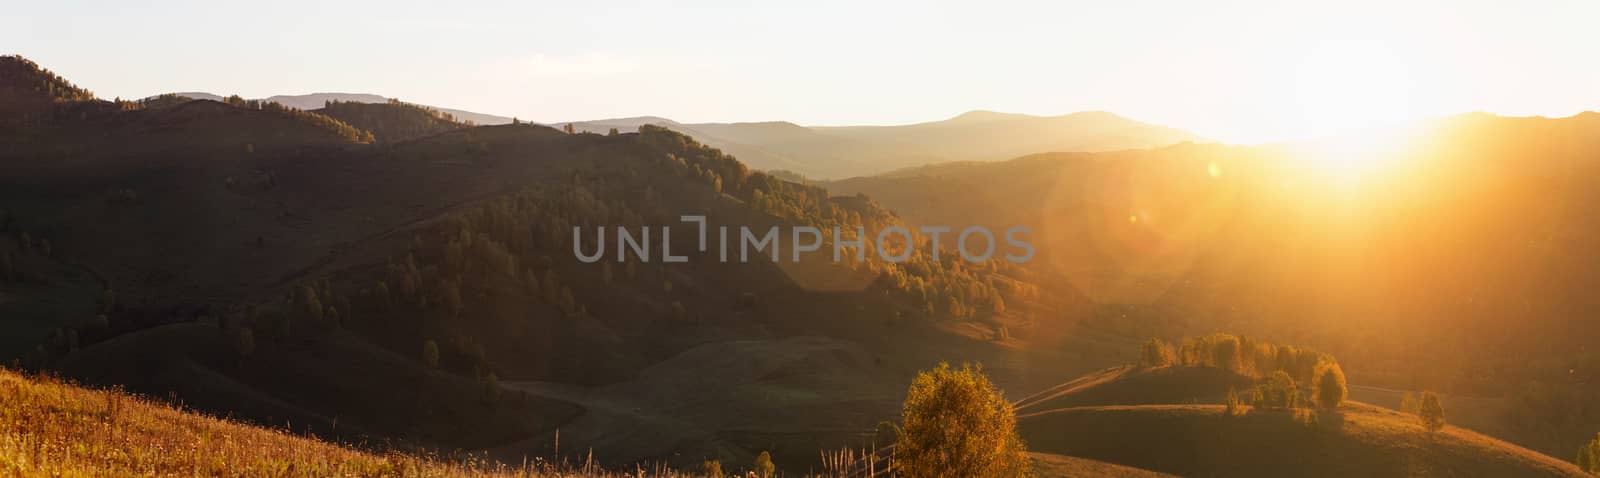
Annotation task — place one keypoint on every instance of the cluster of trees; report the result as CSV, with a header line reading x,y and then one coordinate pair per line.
x,y
37,96
22,71
339,128
1282,371
164,100
392,121
1236,354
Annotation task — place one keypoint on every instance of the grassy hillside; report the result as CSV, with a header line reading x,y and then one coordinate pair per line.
x,y
1047,465
49,428
52,428
1198,440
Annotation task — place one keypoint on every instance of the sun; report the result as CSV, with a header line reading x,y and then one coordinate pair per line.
x,y
1344,86
1352,106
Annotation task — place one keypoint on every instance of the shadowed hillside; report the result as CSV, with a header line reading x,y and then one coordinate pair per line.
x,y
287,272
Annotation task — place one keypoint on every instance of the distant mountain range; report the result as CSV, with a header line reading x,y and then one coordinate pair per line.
x,y
837,152
317,100
831,152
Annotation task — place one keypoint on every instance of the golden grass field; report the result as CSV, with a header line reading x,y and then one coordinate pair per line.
x,y
51,428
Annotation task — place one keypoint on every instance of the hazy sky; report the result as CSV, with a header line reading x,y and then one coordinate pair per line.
x,y
1236,71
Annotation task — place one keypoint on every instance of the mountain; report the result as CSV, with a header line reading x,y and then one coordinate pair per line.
x,y
831,152
316,100
990,136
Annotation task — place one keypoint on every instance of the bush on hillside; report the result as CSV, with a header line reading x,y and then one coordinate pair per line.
x,y
1409,405
763,467
1235,407
1277,392
957,424
1156,353
430,353
1431,412
1589,457
1330,386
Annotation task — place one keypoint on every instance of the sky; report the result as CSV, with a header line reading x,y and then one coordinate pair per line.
x,y
1235,71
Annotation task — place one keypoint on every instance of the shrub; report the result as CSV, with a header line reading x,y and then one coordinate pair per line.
x,y
1408,404
1234,405
764,467
711,468
1156,353
1276,392
1331,390
313,306
1431,412
1589,457
1225,352
957,424
1306,417
430,353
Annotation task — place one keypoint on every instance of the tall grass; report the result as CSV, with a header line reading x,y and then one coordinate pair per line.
x,y
52,428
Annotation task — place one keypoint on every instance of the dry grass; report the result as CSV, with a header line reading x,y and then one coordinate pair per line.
x,y
51,428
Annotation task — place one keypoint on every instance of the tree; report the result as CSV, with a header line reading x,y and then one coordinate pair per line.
x,y
430,353
1156,353
763,467
1331,390
1233,404
711,468
1225,352
957,424
1431,412
1589,457
1277,392
313,306
1408,404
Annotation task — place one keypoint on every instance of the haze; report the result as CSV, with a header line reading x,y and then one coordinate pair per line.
x,y
1234,71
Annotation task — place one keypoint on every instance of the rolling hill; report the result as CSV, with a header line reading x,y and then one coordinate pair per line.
x,y
1171,420
835,152
313,101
